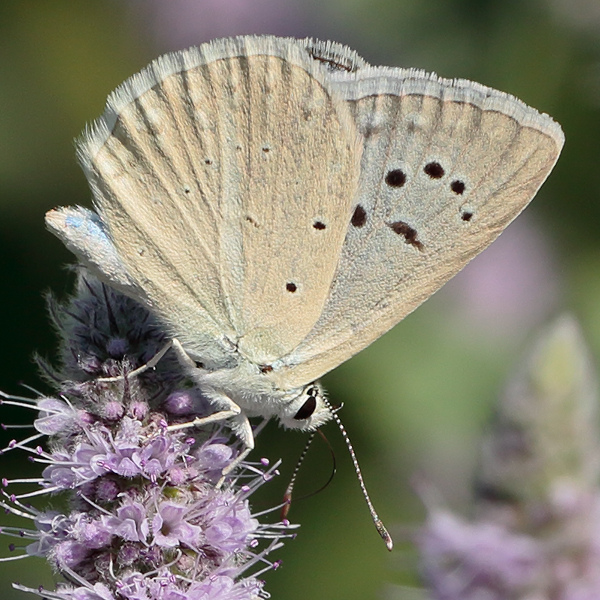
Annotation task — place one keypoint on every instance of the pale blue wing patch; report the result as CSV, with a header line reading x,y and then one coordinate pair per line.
x,y
84,234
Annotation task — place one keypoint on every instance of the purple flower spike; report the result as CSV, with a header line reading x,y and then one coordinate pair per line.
x,y
231,523
146,520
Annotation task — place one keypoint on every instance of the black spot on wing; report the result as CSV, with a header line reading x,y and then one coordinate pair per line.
x,y
334,63
434,170
291,287
458,187
395,178
319,225
410,234
359,218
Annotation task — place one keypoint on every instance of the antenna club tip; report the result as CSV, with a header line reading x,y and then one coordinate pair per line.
x,y
385,536
287,504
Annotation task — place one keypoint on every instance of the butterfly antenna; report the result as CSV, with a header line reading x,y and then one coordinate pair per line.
x,y
383,532
287,497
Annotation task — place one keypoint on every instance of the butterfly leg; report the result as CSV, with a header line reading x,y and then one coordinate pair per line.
x,y
232,465
238,422
242,455
221,415
149,365
227,408
182,356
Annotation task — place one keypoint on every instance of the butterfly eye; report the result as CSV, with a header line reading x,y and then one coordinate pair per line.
x,y
307,409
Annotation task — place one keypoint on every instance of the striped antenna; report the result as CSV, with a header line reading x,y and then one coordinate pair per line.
x,y
287,497
383,532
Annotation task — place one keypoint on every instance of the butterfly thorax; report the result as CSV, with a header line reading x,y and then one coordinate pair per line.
x,y
256,395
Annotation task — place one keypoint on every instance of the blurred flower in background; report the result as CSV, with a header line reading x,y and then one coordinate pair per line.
x,y
580,14
535,531
183,23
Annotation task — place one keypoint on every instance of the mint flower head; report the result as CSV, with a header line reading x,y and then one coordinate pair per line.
x,y
150,514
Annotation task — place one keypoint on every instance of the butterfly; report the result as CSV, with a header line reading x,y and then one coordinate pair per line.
x,y
279,204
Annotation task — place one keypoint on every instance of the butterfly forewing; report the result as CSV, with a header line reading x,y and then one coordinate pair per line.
x,y
156,182
302,170
226,182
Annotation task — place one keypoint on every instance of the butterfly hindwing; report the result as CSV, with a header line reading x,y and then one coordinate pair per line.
x,y
447,165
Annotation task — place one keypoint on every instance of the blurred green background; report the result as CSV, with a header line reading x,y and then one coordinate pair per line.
x,y
415,401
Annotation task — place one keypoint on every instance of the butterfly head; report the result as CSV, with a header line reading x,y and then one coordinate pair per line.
x,y
308,410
